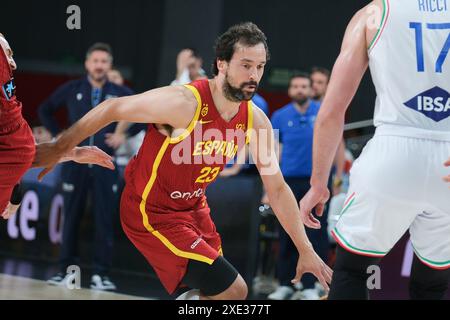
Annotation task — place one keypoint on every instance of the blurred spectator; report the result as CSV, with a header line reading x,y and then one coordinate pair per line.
x,y
319,82
337,201
41,135
126,144
53,178
115,76
338,169
295,123
320,77
189,67
78,97
261,103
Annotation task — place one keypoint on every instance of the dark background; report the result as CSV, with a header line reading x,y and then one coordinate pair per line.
x,y
147,35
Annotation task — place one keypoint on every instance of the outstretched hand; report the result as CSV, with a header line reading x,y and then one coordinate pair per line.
x,y
309,262
47,156
10,210
91,155
315,198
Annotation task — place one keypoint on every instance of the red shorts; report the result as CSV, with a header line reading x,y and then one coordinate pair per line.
x,y
169,240
17,149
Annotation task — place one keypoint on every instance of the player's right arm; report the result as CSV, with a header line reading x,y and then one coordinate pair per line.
x,y
346,76
282,199
174,106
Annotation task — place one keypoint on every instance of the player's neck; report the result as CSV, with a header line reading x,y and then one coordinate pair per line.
x,y
226,108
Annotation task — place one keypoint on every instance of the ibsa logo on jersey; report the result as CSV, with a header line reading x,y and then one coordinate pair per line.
x,y
433,103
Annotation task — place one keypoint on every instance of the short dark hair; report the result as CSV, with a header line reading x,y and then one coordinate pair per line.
x,y
321,70
195,52
300,74
100,46
246,33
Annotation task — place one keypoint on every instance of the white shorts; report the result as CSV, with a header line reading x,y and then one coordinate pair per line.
x,y
395,185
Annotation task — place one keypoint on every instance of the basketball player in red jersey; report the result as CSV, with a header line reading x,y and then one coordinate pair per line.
x,y
163,207
17,146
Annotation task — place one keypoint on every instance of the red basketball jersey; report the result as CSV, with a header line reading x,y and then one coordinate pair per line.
x,y
10,107
16,140
171,174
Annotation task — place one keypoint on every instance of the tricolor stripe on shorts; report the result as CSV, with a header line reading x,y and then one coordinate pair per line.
x,y
344,243
444,265
347,246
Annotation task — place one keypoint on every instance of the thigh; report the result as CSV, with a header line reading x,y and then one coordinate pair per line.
x,y
430,237
430,231
167,246
382,201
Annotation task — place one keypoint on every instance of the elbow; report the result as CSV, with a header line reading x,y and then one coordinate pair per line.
x,y
111,110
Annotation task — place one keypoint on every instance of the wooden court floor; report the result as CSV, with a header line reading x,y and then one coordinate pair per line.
x,y
20,288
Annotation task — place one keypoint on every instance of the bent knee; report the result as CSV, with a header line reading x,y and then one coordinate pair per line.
x,y
239,289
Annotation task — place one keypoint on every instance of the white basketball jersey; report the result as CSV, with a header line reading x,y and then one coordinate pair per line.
x,y
410,66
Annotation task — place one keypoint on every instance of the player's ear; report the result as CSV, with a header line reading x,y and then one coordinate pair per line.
x,y
222,65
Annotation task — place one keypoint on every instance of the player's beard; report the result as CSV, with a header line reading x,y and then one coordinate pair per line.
x,y
300,99
99,75
238,94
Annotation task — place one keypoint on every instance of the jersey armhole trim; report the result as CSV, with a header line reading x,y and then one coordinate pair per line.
x,y
194,120
249,122
386,9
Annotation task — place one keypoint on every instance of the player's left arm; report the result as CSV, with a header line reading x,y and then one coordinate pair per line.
x,y
83,155
282,199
